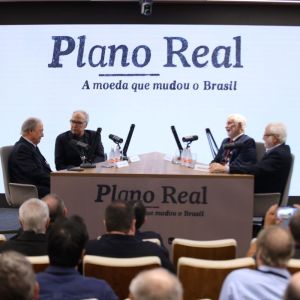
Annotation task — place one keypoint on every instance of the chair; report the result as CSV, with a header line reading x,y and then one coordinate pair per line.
x,y
2,238
204,278
293,265
15,193
155,241
118,272
285,195
39,263
214,250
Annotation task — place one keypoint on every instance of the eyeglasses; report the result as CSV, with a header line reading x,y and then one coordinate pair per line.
x,y
269,134
77,122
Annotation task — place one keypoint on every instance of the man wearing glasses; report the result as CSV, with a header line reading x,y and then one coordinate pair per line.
x,y
271,172
68,152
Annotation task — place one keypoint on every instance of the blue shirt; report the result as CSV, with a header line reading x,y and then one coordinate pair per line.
x,y
266,283
59,283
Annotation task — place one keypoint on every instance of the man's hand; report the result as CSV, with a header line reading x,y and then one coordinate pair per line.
x,y
217,168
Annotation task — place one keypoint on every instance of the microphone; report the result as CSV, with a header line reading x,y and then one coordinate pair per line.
x,y
231,146
115,139
79,144
190,138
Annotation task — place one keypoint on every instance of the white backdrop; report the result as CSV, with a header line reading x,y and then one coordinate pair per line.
x,y
264,70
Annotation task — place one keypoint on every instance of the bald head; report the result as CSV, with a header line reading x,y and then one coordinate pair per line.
x,y
156,284
275,247
293,289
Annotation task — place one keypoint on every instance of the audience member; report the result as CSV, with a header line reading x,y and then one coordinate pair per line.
x,y
120,241
140,218
17,278
293,290
56,205
61,280
26,164
238,148
31,240
156,284
272,171
68,155
274,249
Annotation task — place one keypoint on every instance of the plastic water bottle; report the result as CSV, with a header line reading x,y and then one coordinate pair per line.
x,y
111,156
117,154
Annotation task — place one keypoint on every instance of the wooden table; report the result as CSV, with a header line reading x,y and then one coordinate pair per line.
x,y
181,202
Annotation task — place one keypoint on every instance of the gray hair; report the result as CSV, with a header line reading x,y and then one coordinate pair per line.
x,y
34,215
156,284
275,246
29,124
16,276
86,115
238,119
279,130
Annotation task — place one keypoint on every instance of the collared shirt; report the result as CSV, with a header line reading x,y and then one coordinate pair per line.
x,y
66,283
269,149
265,283
29,141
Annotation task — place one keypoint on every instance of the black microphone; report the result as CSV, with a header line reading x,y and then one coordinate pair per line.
x,y
79,144
231,146
115,139
190,138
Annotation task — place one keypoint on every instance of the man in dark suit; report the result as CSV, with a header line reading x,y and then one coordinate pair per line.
x,y
32,239
26,164
120,241
67,153
272,171
238,148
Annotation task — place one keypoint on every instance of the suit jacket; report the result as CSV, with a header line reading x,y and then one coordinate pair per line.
x,y
27,165
127,246
244,153
66,283
28,243
68,155
271,172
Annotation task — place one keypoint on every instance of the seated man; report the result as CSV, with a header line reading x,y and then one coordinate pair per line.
x,y
68,155
26,164
31,240
17,278
238,148
140,218
158,284
272,171
274,248
61,280
120,241
293,290
56,205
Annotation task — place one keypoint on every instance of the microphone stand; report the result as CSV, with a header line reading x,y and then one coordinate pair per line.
x,y
212,143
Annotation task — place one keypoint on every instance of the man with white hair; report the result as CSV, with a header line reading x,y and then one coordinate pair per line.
x,y
156,284
17,278
238,148
34,219
26,164
272,171
68,154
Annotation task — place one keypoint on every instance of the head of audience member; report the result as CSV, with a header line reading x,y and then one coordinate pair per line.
x,y
294,226
32,129
140,213
66,242
235,125
17,277
156,284
79,121
56,205
275,134
275,246
293,289
119,218
34,216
